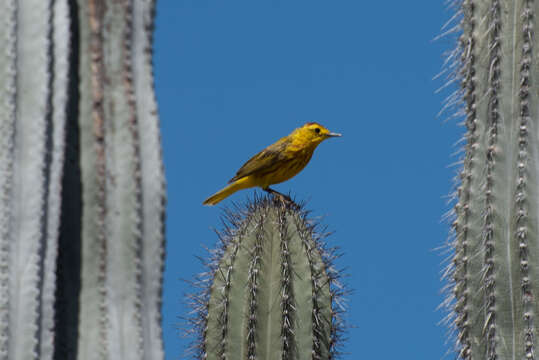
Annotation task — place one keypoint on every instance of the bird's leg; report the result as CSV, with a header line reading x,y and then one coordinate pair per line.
x,y
276,193
285,199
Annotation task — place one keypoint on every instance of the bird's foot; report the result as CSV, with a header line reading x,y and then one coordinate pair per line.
x,y
282,198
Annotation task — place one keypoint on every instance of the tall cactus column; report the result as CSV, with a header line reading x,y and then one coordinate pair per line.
x,y
271,292
495,267
81,182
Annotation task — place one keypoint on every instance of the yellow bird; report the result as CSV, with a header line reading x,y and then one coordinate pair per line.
x,y
276,163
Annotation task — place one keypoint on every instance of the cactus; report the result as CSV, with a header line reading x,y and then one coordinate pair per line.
x,y
271,291
494,271
81,182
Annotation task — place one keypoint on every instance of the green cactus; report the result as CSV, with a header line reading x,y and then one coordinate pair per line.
x,y
81,182
494,273
271,291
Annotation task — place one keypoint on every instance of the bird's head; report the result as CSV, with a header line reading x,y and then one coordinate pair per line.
x,y
313,133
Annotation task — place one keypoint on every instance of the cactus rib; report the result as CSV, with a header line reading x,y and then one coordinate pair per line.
x,y
522,220
30,177
7,128
152,176
489,326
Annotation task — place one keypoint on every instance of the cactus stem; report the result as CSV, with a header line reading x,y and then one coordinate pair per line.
x,y
494,226
273,279
78,278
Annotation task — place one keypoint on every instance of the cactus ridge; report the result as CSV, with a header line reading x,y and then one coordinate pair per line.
x,y
7,128
28,227
287,299
324,328
96,14
231,320
522,219
153,185
135,172
489,280
460,65
252,281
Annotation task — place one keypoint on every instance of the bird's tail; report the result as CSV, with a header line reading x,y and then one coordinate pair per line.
x,y
239,184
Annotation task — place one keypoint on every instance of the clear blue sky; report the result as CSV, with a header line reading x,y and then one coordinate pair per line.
x,y
234,76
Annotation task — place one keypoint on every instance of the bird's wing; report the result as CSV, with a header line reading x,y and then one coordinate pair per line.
x,y
266,161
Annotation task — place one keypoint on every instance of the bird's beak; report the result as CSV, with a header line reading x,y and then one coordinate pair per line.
x,y
334,135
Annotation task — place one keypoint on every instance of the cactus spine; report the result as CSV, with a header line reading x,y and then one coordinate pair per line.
x,y
495,263
81,182
271,292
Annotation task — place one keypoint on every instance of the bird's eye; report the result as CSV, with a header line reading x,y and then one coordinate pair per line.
x,y
317,130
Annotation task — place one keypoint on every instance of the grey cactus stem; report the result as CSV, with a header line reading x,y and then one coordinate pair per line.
x,y
494,271
75,278
271,291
